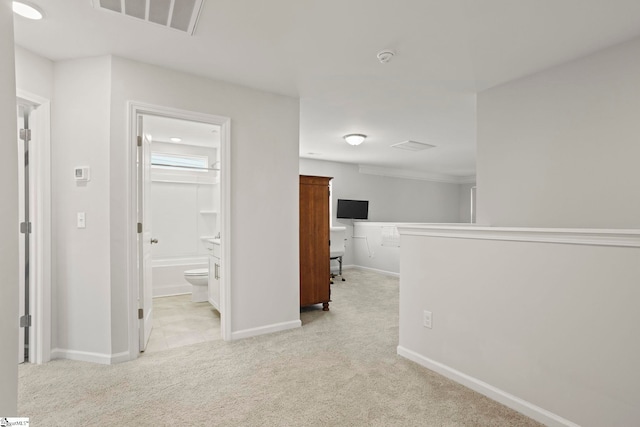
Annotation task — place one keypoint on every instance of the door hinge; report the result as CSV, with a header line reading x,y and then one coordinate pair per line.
x,y
140,313
139,227
25,227
25,321
25,134
139,141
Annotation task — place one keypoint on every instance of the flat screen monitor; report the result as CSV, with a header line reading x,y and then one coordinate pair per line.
x,y
354,209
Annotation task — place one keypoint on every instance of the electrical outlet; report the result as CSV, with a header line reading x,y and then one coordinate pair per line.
x,y
426,319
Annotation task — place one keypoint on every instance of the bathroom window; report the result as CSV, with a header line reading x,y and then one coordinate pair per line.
x,y
185,162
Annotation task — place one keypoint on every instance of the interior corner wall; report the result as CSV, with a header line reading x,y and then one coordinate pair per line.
x,y
264,189
80,257
8,218
560,148
34,73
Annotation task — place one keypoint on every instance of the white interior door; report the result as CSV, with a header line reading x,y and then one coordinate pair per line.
x,y
21,248
144,238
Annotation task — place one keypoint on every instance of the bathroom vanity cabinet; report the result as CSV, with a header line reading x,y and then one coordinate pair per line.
x,y
314,241
214,273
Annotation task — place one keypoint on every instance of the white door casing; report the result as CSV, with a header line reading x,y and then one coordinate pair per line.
x,y
40,218
144,237
21,237
135,282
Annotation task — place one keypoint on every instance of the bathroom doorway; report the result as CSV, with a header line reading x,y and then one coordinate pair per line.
x,y
34,203
182,183
183,216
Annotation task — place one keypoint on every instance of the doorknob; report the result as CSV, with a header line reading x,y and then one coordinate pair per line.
x,y
153,240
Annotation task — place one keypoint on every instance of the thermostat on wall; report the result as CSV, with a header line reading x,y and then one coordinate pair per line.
x,y
82,173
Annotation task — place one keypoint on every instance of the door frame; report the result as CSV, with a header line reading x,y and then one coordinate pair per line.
x,y
135,108
40,299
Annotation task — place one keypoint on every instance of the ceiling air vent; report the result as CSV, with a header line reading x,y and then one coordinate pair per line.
x,y
412,146
181,15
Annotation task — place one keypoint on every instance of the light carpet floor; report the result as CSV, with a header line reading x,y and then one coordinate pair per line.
x,y
339,369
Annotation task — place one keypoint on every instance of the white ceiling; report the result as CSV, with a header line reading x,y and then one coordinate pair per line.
x,y
324,52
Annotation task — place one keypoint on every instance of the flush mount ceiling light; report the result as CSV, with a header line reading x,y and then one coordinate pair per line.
x,y
355,138
175,139
27,11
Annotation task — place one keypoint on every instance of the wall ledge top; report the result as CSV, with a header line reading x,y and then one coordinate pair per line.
x,y
418,175
574,236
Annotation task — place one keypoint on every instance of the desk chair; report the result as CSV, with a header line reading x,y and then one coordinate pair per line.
x,y
336,248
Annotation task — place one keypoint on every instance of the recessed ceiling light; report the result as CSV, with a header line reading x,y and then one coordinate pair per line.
x,y
27,11
355,138
175,139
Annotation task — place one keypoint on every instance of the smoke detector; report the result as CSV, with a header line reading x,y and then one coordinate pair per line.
x,y
385,56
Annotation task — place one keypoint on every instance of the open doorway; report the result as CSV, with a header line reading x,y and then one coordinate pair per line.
x,y
183,208
34,191
182,234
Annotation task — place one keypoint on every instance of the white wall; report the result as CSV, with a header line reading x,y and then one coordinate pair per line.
x,y
374,252
8,218
34,73
80,257
560,148
89,128
390,199
552,324
465,202
264,187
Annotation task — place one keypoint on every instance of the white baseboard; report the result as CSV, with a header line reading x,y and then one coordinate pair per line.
x,y
529,409
85,356
268,329
170,290
360,267
125,356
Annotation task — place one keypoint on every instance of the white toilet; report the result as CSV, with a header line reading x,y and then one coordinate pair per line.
x,y
199,279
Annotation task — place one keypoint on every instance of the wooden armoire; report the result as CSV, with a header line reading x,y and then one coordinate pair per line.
x,y
314,241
